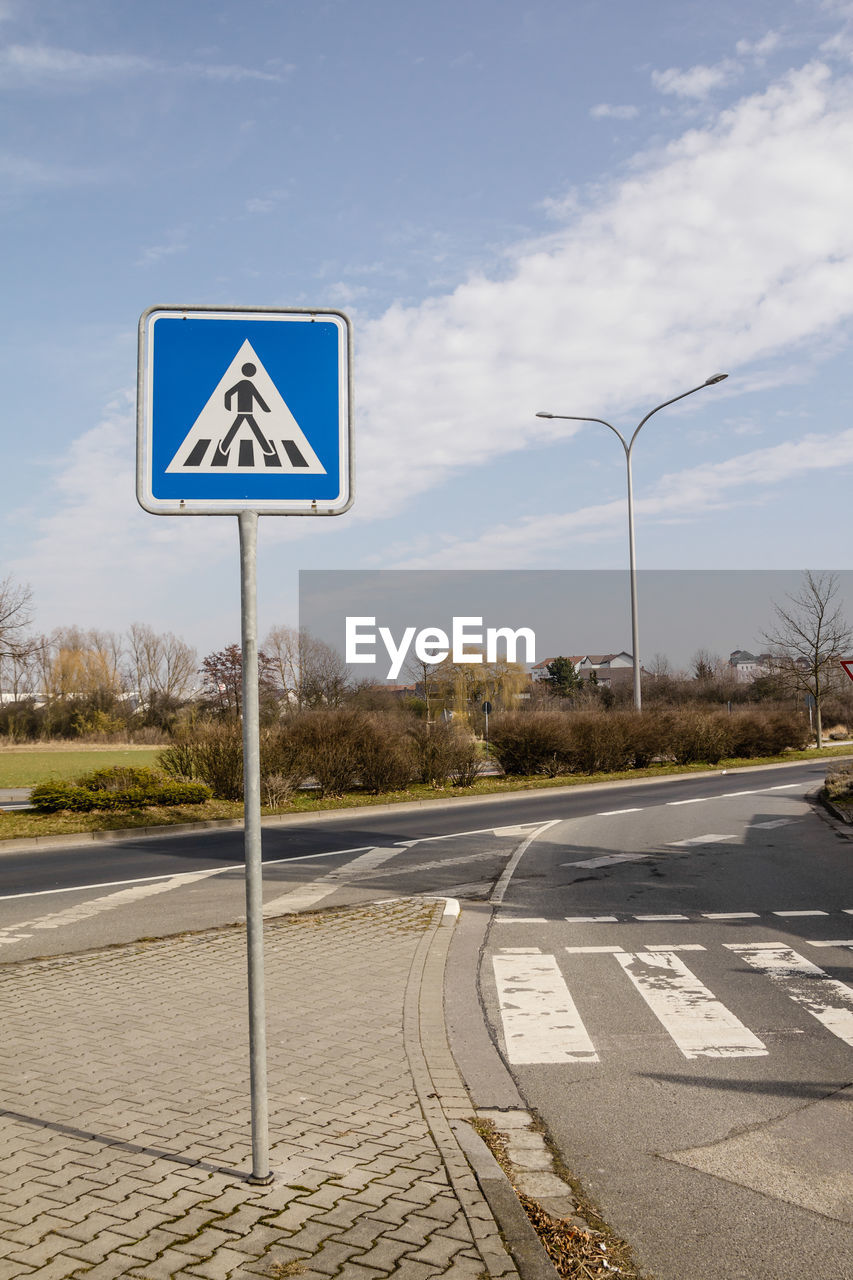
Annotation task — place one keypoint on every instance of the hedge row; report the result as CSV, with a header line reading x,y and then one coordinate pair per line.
x,y
118,788
338,749
555,743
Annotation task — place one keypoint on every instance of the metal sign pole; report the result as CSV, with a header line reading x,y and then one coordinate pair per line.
x,y
260,1175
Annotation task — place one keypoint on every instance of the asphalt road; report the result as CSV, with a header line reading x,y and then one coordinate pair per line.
x,y
672,989
698,1092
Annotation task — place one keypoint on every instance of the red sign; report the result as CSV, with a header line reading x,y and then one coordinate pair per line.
x,y
847,664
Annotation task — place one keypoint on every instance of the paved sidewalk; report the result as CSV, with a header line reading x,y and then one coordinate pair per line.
x,y
124,1114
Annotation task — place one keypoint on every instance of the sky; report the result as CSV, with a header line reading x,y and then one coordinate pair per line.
x,y
563,205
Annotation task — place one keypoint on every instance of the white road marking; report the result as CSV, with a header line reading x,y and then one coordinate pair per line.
x,y
508,919
786,786
591,920
698,1023
671,804
730,795
800,913
593,951
94,906
826,999
836,942
730,915
540,1020
709,839
520,951
677,946
672,917
307,894
777,822
507,873
613,813
607,859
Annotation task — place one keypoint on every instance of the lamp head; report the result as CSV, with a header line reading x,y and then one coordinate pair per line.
x,y
718,377
542,414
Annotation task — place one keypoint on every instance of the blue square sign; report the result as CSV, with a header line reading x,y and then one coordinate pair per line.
x,y
245,409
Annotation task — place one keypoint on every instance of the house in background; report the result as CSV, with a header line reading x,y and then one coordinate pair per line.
x,y
747,666
611,669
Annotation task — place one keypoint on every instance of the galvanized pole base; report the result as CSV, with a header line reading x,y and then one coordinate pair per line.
x,y
260,1175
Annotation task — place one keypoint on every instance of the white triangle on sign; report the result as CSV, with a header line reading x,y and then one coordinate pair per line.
x,y
245,428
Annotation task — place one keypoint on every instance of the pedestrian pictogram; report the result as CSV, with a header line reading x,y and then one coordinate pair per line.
x,y
244,409
228,436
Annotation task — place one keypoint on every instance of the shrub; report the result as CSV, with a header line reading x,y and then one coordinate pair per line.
x,y
209,750
598,742
442,753
839,782
529,742
386,756
51,797
329,740
700,736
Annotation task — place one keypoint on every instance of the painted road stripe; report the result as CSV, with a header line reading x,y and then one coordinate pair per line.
x,y
506,875
698,1023
507,919
826,999
614,813
730,915
785,786
709,839
307,894
671,804
540,1020
593,951
836,942
799,913
591,920
608,859
677,946
777,822
94,906
647,918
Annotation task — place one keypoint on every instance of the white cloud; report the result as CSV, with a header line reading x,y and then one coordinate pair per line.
x,y
732,245
683,496
47,65
732,249
606,111
696,82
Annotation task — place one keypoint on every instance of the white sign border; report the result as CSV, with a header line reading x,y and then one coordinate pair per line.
x,y
233,506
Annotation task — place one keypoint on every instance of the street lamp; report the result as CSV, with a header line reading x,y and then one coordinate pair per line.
x,y
628,447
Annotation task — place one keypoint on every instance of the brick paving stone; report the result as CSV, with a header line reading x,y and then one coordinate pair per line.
x,y
142,1049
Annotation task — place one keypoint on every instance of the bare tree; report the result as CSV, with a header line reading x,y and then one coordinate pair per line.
x,y
308,672
17,648
809,638
162,668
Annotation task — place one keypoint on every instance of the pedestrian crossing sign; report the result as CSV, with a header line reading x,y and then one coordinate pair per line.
x,y
244,409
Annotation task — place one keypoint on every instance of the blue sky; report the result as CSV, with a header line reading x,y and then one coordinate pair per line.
x,y
581,207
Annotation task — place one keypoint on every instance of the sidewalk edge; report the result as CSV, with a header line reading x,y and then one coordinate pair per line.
x,y
500,1228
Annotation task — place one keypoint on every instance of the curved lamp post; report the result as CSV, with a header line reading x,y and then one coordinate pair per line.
x,y
628,447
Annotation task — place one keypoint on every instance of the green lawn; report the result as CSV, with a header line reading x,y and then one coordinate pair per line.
x,y
26,767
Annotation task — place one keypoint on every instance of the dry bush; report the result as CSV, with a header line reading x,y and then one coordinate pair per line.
x,y
386,755
530,742
599,742
329,740
700,736
758,732
209,750
443,753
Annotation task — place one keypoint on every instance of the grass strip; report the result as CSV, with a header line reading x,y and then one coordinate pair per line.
x,y
15,824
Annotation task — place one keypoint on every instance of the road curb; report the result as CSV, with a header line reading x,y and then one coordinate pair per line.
x,y
497,1221
30,844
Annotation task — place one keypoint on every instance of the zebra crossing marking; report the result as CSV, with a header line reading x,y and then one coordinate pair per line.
x,y
711,838
698,1023
541,1022
825,998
